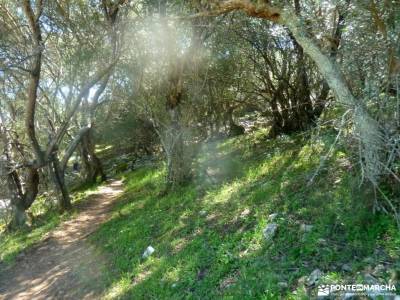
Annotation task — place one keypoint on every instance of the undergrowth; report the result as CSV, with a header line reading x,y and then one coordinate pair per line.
x,y
43,217
208,235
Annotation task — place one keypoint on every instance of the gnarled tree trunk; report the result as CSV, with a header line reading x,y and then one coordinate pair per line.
x,y
22,198
93,167
58,175
178,170
178,164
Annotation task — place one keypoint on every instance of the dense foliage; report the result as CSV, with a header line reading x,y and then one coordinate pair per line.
x,y
90,89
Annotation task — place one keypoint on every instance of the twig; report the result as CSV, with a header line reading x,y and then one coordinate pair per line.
x,y
331,149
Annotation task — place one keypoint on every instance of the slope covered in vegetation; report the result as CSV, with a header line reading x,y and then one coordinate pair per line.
x,y
208,236
43,219
259,143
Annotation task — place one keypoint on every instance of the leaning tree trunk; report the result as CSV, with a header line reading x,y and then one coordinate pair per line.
x,y
58,176
58,168
333,52
368,129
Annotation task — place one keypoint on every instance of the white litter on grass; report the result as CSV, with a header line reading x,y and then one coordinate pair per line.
x,y
149,251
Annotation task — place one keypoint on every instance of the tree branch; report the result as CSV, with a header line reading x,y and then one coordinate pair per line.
x,y
96,78
72,146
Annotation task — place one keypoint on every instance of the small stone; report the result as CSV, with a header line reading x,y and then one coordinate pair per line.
x,y
202,213
306,228
272,217
322,242
314,277
346,268
149,251
369,279
270,231
374,294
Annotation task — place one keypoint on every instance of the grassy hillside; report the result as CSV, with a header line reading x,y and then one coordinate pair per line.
x,y
208,236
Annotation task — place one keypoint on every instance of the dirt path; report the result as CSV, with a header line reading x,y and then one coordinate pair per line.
x,y
64,265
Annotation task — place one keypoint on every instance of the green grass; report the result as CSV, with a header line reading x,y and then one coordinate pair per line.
x,y
13,243
43,217
208,235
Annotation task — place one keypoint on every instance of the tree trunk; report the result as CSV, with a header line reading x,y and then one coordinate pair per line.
x,y
172,136
234,129
176,169
368,129
31,187
20,202
58,175
178,163
34,77
57,170
337,37
18,218
304,106
92,164
17,204
13,183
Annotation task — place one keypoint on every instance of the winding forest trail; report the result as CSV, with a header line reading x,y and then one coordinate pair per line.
x,y
64,265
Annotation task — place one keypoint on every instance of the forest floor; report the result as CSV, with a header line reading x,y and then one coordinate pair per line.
x,y
64,265
209,236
